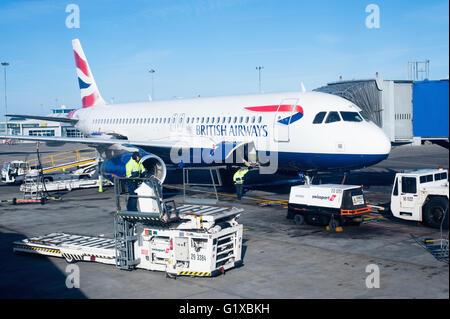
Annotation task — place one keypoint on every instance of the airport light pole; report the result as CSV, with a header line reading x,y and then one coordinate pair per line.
x,y
5,64
259,68
152,72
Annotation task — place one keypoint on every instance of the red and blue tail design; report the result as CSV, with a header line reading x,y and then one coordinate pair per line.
x,y
90,96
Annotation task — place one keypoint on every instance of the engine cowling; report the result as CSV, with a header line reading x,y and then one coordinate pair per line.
x,y
153,164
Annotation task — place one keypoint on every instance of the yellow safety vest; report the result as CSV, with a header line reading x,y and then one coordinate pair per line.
x,y
238,177
132,166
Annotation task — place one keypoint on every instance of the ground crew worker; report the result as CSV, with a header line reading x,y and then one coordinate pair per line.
x,y
134,169
238,180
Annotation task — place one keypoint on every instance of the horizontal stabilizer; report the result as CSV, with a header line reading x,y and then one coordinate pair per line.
x,y
46,118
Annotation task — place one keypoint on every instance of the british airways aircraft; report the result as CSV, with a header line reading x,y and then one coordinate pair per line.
x,y
301,131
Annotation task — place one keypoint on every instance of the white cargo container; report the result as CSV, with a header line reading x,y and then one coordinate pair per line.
x,y
327,203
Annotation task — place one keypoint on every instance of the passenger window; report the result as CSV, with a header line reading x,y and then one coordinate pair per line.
x,y
241,119
333,117
409,185
319,117
259,119
246,119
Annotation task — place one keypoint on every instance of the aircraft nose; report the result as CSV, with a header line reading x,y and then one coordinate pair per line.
x,y
385,143
380,143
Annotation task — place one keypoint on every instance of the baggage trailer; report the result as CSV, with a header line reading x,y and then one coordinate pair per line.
x,y
327,204
184,240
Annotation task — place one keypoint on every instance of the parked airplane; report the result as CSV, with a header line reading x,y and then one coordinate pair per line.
x,y
302,131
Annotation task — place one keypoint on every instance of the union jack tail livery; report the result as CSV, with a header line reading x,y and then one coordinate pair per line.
x,y
90,96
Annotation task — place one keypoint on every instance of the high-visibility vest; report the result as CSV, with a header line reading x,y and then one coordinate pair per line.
x,y
238,177
134,167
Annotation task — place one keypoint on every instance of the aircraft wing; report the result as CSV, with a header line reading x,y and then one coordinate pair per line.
x,y
46,118
95,142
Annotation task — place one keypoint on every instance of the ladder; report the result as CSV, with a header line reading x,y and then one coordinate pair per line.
x,y
125,221
124,243
187,184
33,188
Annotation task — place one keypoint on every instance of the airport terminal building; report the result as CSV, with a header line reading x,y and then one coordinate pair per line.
x,y
30,127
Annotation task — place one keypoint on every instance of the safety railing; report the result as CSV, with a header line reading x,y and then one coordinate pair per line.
x,y
62,159
166,210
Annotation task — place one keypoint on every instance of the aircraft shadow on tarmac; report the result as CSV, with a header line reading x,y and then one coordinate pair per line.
x,y
30,276
281,184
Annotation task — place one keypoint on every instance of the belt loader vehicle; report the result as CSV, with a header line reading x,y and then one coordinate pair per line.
x,y
191,240
327,204
422,196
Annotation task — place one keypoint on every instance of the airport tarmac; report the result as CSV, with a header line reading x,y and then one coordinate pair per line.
x,y
281,260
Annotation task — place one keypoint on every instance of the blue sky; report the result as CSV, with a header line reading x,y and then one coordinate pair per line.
x,y
211,48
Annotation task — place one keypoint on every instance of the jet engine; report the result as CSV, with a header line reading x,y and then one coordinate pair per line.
x,y
153,165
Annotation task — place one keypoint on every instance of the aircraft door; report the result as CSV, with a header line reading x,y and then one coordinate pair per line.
x,y
409,196
282,119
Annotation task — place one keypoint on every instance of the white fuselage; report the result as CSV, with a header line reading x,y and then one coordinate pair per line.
x,y
206,122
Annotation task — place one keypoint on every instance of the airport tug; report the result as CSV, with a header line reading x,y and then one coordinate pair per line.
x,y
327,204
192,240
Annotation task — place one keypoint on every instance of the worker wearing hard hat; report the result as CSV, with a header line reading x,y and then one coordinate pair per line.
x,y
134,169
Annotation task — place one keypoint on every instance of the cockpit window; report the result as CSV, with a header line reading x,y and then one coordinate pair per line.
x,y
319,117
333,117
351,117
365,116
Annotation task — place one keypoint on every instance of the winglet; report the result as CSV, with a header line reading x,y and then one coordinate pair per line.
x,y
90,95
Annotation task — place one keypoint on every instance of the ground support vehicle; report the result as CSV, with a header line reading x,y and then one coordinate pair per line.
x,y
327,204
422,196
180,240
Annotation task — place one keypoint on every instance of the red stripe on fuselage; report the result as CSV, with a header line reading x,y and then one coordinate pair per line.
x,y
275,108
80,63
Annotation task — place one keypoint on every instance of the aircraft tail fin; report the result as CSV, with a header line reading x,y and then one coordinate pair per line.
x,y
90,95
